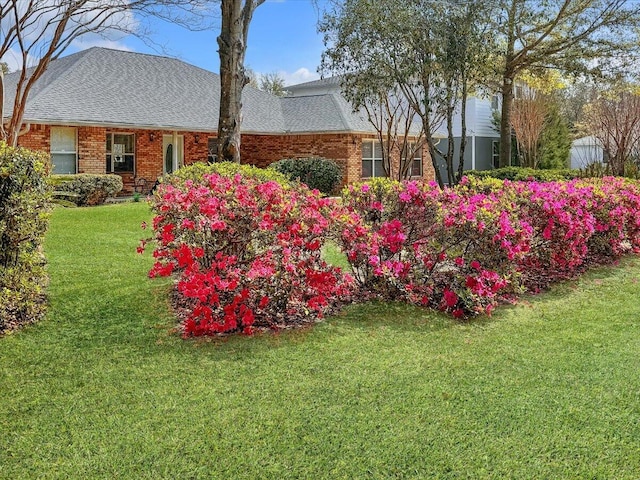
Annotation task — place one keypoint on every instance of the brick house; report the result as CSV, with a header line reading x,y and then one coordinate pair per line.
x,y
141,116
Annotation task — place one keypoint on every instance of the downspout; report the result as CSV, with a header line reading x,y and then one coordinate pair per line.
x,y
473,150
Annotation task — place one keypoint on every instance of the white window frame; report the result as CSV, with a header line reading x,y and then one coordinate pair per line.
x,y
417,156
495,102
495,153
212,153
109,152
65,152
372,159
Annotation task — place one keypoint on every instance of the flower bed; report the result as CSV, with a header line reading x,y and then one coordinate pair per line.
x,y
247,253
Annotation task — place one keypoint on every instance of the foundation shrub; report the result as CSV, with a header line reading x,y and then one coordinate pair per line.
x,y
24,216
246,254
526,174
86,189
318,173
197,172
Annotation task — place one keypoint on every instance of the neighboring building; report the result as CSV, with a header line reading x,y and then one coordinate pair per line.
x,y
483,140
141,116
586,151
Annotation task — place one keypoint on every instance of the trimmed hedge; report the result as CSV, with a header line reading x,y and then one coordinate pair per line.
x,y
318,173
523,174
197,172
86,189
24,217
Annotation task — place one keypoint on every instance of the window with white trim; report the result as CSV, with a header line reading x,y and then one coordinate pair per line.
x,y
372,159
495,153
64,150
415,170
121,156
495,102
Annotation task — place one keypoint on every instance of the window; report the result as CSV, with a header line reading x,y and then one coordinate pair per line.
x,y
64,153
372,159
518,92
415,170
212,155
495,102
495,153
121,152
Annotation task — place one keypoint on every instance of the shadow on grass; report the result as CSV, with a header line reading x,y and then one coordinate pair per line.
x,y
156,329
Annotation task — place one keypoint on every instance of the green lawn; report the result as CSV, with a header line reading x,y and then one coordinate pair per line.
x,y
104,388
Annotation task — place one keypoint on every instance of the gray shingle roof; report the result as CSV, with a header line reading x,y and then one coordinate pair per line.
x,y
326,113
112,87
101,86
322,83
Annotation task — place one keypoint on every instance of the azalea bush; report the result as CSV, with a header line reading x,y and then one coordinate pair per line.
x,y
246,253
438,248
198,170
574,224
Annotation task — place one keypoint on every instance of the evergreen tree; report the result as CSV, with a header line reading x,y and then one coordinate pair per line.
x,y
555,140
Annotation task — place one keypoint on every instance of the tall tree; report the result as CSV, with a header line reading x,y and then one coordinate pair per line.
x,y
232,45
36,32
528,118
614,119
425,50
401,137
566,34
273,83
555,142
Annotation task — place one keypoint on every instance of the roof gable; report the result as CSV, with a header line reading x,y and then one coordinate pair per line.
x,y
103,86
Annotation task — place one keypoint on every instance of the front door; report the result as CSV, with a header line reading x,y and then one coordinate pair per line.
x,y
173,153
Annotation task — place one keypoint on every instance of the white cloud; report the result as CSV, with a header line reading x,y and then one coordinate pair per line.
x,y
299,76
14,60
84,43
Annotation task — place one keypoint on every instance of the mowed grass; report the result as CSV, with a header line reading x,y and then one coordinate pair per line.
x,y
104,387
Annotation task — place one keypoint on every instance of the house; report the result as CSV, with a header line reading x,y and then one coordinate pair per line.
x,y
586,151
483,139
141,116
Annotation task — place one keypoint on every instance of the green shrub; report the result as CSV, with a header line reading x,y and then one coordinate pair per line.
x,y
196,171
86,189
24,216
322,174
524,174
599,170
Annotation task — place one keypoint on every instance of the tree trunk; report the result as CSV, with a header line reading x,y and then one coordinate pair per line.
x,y
505,122
3,133
463,128
231,44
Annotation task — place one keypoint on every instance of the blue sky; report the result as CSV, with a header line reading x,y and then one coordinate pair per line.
x,y
282,38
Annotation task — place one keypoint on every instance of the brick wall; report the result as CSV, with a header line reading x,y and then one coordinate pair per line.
x,y
260,150
92,150
345,149
37,138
